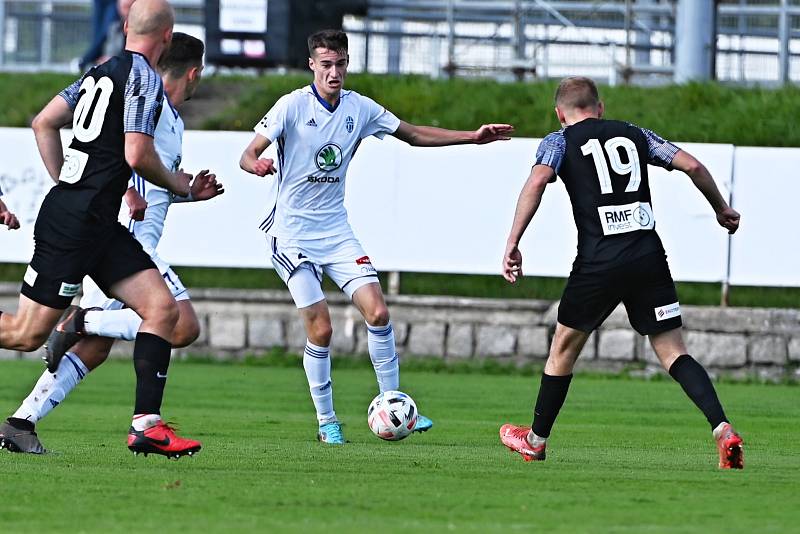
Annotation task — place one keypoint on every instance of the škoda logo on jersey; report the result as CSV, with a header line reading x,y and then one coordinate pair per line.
x,y
329,157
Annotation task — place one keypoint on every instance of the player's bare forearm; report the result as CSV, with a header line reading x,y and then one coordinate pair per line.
x,y
431,136
528,202
251,160
727,217
50,149
701,178
140,153
46,128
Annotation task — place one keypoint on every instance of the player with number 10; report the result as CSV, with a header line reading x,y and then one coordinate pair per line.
x,y
113,110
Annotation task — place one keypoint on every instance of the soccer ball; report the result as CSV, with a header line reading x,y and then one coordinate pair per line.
x,y
392,415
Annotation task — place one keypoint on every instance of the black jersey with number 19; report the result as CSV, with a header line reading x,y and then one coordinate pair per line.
x,y
122,95
603,164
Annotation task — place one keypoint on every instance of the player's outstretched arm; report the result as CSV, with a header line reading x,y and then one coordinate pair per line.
x,y
8,218
251,160
529,199
431,136
727,217
46,125
140,153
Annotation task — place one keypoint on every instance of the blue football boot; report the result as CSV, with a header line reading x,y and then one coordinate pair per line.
x,y
331,433
423,424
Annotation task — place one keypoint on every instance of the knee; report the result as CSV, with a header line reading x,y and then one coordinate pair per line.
x,y
378,317
185,334
164,311
30,341
321,333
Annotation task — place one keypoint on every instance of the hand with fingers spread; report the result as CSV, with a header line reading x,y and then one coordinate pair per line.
x,y
205,186
728,218
136,204
264,166
512,263
493,132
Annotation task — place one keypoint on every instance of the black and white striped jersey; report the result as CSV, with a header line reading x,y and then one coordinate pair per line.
x,y
122,95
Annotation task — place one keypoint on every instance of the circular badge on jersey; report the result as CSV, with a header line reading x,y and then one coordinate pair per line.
x,y
329,157
641,216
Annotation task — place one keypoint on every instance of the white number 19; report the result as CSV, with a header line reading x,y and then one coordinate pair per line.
x,y
612,146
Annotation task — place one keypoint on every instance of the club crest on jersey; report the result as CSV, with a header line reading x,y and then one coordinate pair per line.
x,y
329,157
349,123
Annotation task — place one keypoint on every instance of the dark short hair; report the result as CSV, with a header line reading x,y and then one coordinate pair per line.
x,y
335,40
183,53
577,92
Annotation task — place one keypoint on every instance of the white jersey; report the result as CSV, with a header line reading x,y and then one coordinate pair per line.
x,y
316,142
168,144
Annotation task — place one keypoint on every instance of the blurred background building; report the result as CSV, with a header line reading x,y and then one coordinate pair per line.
x,y
639,41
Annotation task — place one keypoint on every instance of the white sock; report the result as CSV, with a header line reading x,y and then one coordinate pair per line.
x,y
51,388
119,324
143,421
534,440
317,363
717,432
380,341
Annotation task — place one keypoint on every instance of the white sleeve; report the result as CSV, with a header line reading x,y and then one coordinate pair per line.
x,y
378,121
275,121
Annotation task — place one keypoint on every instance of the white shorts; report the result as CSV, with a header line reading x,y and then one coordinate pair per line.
x,y
93,296
301,263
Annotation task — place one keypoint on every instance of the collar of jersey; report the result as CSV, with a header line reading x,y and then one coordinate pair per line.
x,y
169,103
140,54
324,102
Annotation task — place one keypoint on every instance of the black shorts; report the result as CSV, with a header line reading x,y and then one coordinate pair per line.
x,y
644,285
57,268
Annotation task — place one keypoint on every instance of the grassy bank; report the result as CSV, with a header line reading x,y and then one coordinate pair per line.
x,y
709,113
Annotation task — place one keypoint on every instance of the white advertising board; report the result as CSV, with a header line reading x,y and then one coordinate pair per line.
x,y
449,209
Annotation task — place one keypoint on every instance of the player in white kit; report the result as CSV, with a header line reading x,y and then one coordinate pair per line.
x,y
100,320
318,129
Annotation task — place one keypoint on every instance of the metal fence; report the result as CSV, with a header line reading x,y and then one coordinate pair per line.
x,y
612,40
51,34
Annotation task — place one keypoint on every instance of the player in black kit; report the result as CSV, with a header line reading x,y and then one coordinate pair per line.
x,y
113,110
603,164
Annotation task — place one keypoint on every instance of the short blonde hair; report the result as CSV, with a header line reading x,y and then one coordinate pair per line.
x,y
577,92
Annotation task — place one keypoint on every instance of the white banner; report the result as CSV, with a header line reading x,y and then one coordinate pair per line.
x,y
449,210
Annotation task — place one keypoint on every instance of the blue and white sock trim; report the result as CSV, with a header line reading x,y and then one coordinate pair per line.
x,y
72,358
380,330
315,352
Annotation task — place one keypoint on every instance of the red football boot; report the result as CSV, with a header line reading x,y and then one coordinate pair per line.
x,y
161,439
516,438
729,444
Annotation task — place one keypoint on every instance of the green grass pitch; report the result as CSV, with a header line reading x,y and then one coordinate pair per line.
x,y
625,456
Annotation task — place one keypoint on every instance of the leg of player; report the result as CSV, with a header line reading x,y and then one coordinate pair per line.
x,y
18,433
531,442
27,329
146,293
380,341
125,324
693,378
317,365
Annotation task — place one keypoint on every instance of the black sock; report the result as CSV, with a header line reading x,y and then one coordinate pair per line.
x,y
150,360
552,393
695,382
21,424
